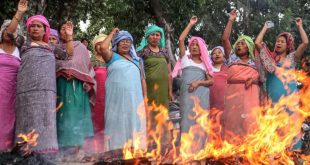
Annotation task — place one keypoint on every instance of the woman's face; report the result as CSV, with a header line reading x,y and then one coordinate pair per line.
x,y
97,47
242,49
5,37
63,35
123,47
37,31
53,40
154,39
217,56
194,48
281,45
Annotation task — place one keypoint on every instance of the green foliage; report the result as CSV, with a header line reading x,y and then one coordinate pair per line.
x,y
136,15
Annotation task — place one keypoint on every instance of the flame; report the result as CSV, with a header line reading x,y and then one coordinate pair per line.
x,y
29,139
59,106
270,142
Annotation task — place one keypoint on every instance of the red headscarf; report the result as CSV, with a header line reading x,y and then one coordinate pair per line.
x,y
43,20
289,42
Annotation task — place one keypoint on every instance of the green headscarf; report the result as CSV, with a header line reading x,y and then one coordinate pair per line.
x,y
249,42
149,31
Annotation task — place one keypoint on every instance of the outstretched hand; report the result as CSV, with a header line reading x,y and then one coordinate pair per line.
x,y
233,15
115,31
22,6
268,24
193,20
69,28
298,21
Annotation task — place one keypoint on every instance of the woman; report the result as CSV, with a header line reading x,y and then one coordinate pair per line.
x,y
217,90
96,143
242,93
36,84
158,79
124,114
284,57
54,37
196,78
75,89
9,64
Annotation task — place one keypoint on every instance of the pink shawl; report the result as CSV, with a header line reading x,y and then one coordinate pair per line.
x,y
8,70
79,67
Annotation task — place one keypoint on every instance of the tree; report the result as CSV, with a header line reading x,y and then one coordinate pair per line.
x,y
173,15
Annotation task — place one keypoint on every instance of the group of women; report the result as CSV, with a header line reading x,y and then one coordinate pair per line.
x,y
134,86
40,75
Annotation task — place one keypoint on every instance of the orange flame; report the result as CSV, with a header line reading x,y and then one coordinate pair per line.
x,y
59,106
270,143
30,139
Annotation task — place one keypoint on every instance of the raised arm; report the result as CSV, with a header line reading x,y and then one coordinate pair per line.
x,y
21,9
261,35
103,48
170,82
267,61
183,35
69,37
304,39
227,31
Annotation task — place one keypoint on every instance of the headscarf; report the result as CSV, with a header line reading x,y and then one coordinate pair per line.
x,y
54,32
5,24
99,38
222,50
204,56
249,42
122,35
43,20
289,42
218,47
149,31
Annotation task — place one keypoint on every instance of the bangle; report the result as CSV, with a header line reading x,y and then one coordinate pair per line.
x,y
70,40
16,19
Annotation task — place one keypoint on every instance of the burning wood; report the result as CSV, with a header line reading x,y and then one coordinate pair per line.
x,y
271,141
135,161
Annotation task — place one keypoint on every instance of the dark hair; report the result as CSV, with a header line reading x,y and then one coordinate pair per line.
x,y
60,25
84,39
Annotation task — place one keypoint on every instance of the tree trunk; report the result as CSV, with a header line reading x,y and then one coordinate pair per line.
x,y
41,7
160,21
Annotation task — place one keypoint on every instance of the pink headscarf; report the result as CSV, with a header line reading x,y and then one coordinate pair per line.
x,y
204,56
43,20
